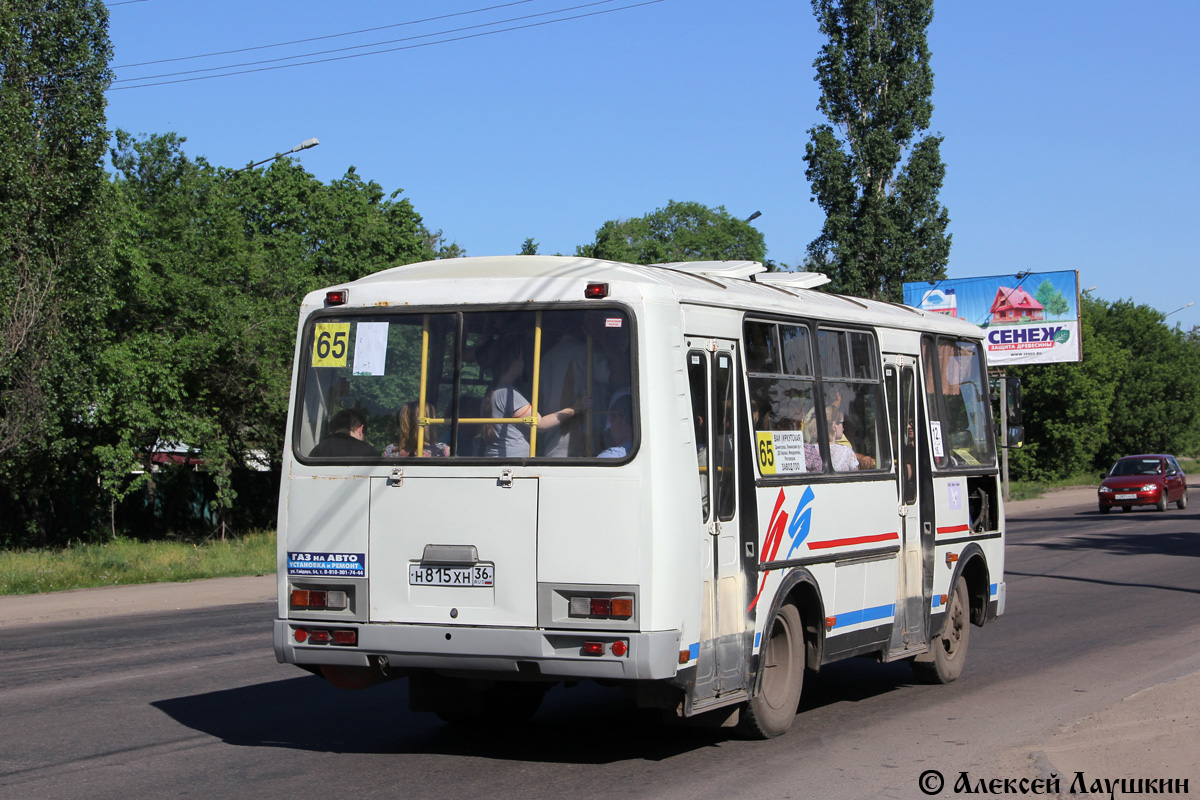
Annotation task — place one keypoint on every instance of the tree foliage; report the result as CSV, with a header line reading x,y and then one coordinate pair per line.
x,y
883,222
682,231
213,265
1135,391
54,261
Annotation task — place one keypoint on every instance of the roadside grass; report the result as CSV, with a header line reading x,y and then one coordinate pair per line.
x,y
126,561
1027,490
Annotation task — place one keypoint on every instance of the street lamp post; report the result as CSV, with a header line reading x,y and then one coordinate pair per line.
x,y
1176,311
307,143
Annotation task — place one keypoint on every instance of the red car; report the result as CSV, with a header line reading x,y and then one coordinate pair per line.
x,y
1149,480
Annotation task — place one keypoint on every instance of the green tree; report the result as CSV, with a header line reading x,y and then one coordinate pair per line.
x,y
1068,407
682,231
1135,391
883,222
1051,299
54,254
529,247
214,264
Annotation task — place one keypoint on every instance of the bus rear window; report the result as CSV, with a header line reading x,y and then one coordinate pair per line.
x,y
483,384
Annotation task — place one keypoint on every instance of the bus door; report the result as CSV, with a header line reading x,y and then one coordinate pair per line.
x,y
901,378
721,663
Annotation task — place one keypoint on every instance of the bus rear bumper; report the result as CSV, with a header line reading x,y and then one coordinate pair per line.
x,y
524,652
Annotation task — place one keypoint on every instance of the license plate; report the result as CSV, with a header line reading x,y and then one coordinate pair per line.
x,y
1126,497
476,575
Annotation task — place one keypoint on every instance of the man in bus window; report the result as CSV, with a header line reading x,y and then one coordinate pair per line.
x,y
346,439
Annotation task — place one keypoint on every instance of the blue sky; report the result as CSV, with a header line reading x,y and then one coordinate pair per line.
x,y
1070,127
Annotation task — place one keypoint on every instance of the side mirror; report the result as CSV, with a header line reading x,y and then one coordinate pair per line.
x,y
1012,391
1014,436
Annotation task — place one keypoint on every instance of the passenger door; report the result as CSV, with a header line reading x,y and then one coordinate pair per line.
x,y
721,663
901,379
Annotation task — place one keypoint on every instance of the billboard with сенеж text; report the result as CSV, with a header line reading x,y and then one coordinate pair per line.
x,y
1028,318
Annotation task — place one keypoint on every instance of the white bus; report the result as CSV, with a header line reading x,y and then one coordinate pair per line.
x,y
693,480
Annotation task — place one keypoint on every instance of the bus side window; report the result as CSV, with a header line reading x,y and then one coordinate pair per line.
x,y
698,384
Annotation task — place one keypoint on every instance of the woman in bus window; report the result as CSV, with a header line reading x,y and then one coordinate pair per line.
x,y
505,401
407,444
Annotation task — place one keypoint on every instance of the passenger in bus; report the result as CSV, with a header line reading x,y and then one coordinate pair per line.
x,y
844,456
620,426
406,445
347,431
505,401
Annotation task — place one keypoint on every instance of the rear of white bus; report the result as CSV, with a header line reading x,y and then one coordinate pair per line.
x,y
482,571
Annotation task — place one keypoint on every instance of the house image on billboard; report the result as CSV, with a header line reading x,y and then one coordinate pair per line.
x,y
940,301
1015,305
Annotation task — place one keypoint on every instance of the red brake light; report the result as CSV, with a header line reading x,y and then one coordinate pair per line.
x,y
593,648
337,297
320,637
619,648
601,607
345,637
596,291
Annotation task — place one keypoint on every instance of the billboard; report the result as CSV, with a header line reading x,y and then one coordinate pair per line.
x,y
1029,318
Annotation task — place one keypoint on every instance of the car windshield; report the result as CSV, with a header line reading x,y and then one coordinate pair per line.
x,y
1137,466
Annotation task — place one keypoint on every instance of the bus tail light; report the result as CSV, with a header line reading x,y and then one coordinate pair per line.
x,y
336,297
603,607
596,291
593,648
319,599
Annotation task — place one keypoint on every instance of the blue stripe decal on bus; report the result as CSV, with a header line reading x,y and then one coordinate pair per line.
x,y
992,589
866,615
757,639
937,600
694,650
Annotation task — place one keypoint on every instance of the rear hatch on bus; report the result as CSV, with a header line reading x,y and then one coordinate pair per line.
x,y
454,551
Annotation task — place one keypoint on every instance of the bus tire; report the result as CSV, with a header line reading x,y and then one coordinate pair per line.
x,y
770,712
948,651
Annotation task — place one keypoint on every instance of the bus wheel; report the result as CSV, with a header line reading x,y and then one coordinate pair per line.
x,y
948,652
771,711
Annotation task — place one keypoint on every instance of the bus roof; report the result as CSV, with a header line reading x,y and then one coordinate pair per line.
x,y
742,285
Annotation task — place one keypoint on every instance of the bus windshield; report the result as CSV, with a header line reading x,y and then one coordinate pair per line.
x,y
466,384
960,412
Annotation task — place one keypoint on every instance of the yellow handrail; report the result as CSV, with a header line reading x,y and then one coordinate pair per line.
x,y
421,392
537,368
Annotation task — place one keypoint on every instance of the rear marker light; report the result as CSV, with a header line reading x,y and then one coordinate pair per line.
x,y
596,291
319,637
942,599
336,298
601,607
619,648
684,656
830,622
347,638
593,648
951,558
301,635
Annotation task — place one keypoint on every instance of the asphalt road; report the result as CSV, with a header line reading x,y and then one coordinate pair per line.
x,y
192,702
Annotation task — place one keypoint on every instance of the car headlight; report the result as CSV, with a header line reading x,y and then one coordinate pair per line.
x,y
1105,490
1149,487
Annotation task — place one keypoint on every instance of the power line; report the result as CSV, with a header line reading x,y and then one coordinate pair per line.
x,y
361,46
313,38
378,52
